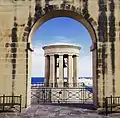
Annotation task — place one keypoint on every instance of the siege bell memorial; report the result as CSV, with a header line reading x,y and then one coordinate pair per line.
x,y
54,52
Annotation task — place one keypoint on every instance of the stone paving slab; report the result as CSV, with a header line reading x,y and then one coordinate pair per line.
x,y
54,111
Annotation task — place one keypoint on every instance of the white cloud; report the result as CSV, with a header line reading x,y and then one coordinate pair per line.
x,y
37,43
63,39
85,66
38,62
38,51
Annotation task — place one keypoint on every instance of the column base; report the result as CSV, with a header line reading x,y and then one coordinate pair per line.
x,y
51,85
75,85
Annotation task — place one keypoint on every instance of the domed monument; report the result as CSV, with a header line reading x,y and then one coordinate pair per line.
x,y
61,56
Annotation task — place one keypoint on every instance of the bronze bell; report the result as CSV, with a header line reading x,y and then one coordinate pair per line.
x,y
64,63
57,65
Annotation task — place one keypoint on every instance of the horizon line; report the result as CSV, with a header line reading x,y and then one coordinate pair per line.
x,y
65,77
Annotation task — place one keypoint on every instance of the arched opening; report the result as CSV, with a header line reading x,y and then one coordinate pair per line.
x,y
63,13
75,16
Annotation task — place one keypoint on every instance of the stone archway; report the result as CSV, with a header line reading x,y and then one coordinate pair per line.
x,y
63,13
82,20
18,21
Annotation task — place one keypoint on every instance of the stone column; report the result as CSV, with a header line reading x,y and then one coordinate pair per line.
x,y
61,71
75,71
70,71
47,70
55,72
52,71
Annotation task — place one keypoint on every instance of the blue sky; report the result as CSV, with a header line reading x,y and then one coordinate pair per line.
x,y
61,30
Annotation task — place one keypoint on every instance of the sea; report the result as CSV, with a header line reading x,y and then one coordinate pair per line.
x,y
40,80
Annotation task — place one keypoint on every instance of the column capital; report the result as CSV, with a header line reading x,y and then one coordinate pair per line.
x,y
75,55
60,54
70,54
51,55
46,55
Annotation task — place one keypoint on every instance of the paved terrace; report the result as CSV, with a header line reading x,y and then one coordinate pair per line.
x,y
54,111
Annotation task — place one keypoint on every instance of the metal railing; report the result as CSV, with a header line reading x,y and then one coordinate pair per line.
x,y
9,102
112,104
81,95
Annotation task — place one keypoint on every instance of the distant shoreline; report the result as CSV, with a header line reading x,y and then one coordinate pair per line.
x,y
64,78
40,80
